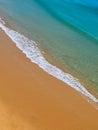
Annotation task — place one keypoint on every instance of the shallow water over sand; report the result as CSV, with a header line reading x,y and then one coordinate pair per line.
x,y
67,31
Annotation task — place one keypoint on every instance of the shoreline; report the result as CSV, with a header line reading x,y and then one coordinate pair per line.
x,y
86,84
32,99
32,52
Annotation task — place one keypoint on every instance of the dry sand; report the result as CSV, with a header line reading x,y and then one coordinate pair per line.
x,y
30,99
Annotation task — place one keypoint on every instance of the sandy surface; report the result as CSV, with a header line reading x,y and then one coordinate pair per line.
x,y
30,99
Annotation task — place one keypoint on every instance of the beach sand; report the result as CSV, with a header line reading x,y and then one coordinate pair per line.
x,y
30,99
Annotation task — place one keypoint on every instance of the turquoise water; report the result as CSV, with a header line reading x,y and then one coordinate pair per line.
x,y
66,30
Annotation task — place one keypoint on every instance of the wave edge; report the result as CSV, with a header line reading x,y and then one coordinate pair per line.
x,y
30,49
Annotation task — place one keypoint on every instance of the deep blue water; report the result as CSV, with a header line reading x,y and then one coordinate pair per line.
x,y
66,30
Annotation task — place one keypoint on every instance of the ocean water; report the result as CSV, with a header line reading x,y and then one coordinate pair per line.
x,y
66,31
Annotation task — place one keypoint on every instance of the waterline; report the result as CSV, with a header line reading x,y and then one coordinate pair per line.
x,y
30,49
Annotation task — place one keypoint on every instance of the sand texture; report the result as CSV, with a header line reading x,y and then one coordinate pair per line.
x,y
30,99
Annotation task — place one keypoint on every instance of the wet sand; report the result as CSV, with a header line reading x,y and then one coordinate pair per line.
x,y
30,99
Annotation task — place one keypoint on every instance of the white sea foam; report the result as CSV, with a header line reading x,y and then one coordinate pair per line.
x,y
30,49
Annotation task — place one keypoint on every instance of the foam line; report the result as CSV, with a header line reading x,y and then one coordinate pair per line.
x,y
30,49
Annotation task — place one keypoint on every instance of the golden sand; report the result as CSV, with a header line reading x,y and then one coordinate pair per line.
x,y
30,99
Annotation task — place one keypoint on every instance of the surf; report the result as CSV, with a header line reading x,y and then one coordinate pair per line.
x,y
31,51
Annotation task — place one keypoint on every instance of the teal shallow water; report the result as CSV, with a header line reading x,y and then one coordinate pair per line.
x,y
67,31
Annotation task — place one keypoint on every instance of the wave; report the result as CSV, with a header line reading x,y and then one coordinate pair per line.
x,y
63,13
30,49
88,3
